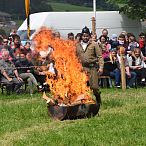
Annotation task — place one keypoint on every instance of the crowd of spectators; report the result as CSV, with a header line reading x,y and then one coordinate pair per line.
x,y
134,52
20,64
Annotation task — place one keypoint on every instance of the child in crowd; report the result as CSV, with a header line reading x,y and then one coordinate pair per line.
x,y
105,46
132,43
114,41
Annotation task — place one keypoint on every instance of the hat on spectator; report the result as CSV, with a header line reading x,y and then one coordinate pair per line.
x,y
86,30
114,36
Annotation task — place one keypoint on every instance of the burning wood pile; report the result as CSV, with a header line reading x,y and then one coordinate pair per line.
x,y
68,86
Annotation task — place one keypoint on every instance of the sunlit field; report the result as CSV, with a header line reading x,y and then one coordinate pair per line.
x,y
58,7
120,122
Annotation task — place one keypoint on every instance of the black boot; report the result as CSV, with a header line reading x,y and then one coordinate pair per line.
x,y
97,93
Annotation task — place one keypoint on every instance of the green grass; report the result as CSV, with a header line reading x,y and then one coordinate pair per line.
x,y
121,122
58,7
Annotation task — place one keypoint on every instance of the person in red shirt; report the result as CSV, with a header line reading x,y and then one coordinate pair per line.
x,y
142,43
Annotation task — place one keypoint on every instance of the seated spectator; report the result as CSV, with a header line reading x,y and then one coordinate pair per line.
x,y
132,43
25,71
124,33
137,65
130,75
26,48
1,52
114,41
43,68
16,48
122,41
104,46
36,57
29,57
9,73
111,67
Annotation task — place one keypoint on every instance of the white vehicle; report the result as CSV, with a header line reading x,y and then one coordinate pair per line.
x,y
66,22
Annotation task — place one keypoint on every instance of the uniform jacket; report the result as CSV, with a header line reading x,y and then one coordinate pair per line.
x,y
92,54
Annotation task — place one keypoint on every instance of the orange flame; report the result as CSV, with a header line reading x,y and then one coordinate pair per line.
x,y
71,81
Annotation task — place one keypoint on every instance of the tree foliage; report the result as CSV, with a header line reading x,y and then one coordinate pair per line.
x,y
17,7
101,4
135,9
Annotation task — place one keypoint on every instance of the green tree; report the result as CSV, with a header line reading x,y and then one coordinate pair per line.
x,y
17,7
135,9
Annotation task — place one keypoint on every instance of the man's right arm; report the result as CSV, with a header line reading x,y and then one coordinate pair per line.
x,y
6,76
3,72
98,52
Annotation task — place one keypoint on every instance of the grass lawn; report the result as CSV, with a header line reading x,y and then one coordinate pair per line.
x,y
58,7
121,122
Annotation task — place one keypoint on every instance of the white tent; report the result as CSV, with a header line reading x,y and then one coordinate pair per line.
x,y
66,22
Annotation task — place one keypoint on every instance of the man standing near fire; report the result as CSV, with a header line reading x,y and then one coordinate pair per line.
x,y
90,56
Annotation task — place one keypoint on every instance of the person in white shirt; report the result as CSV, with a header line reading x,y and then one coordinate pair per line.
x,y
137,64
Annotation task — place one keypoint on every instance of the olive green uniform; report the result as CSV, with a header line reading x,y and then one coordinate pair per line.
x,y
91,60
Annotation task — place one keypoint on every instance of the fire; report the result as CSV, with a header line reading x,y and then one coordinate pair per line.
x,y
70,83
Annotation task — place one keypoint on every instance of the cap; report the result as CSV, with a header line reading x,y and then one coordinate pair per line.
x,y
85,30
114,36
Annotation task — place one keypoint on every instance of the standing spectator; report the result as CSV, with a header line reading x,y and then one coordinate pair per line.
x,y
26,48
78,37
94,37
57,35
16,48
9,73
89,54
12,35
13,31
105,33
70,36
142,43
1,42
